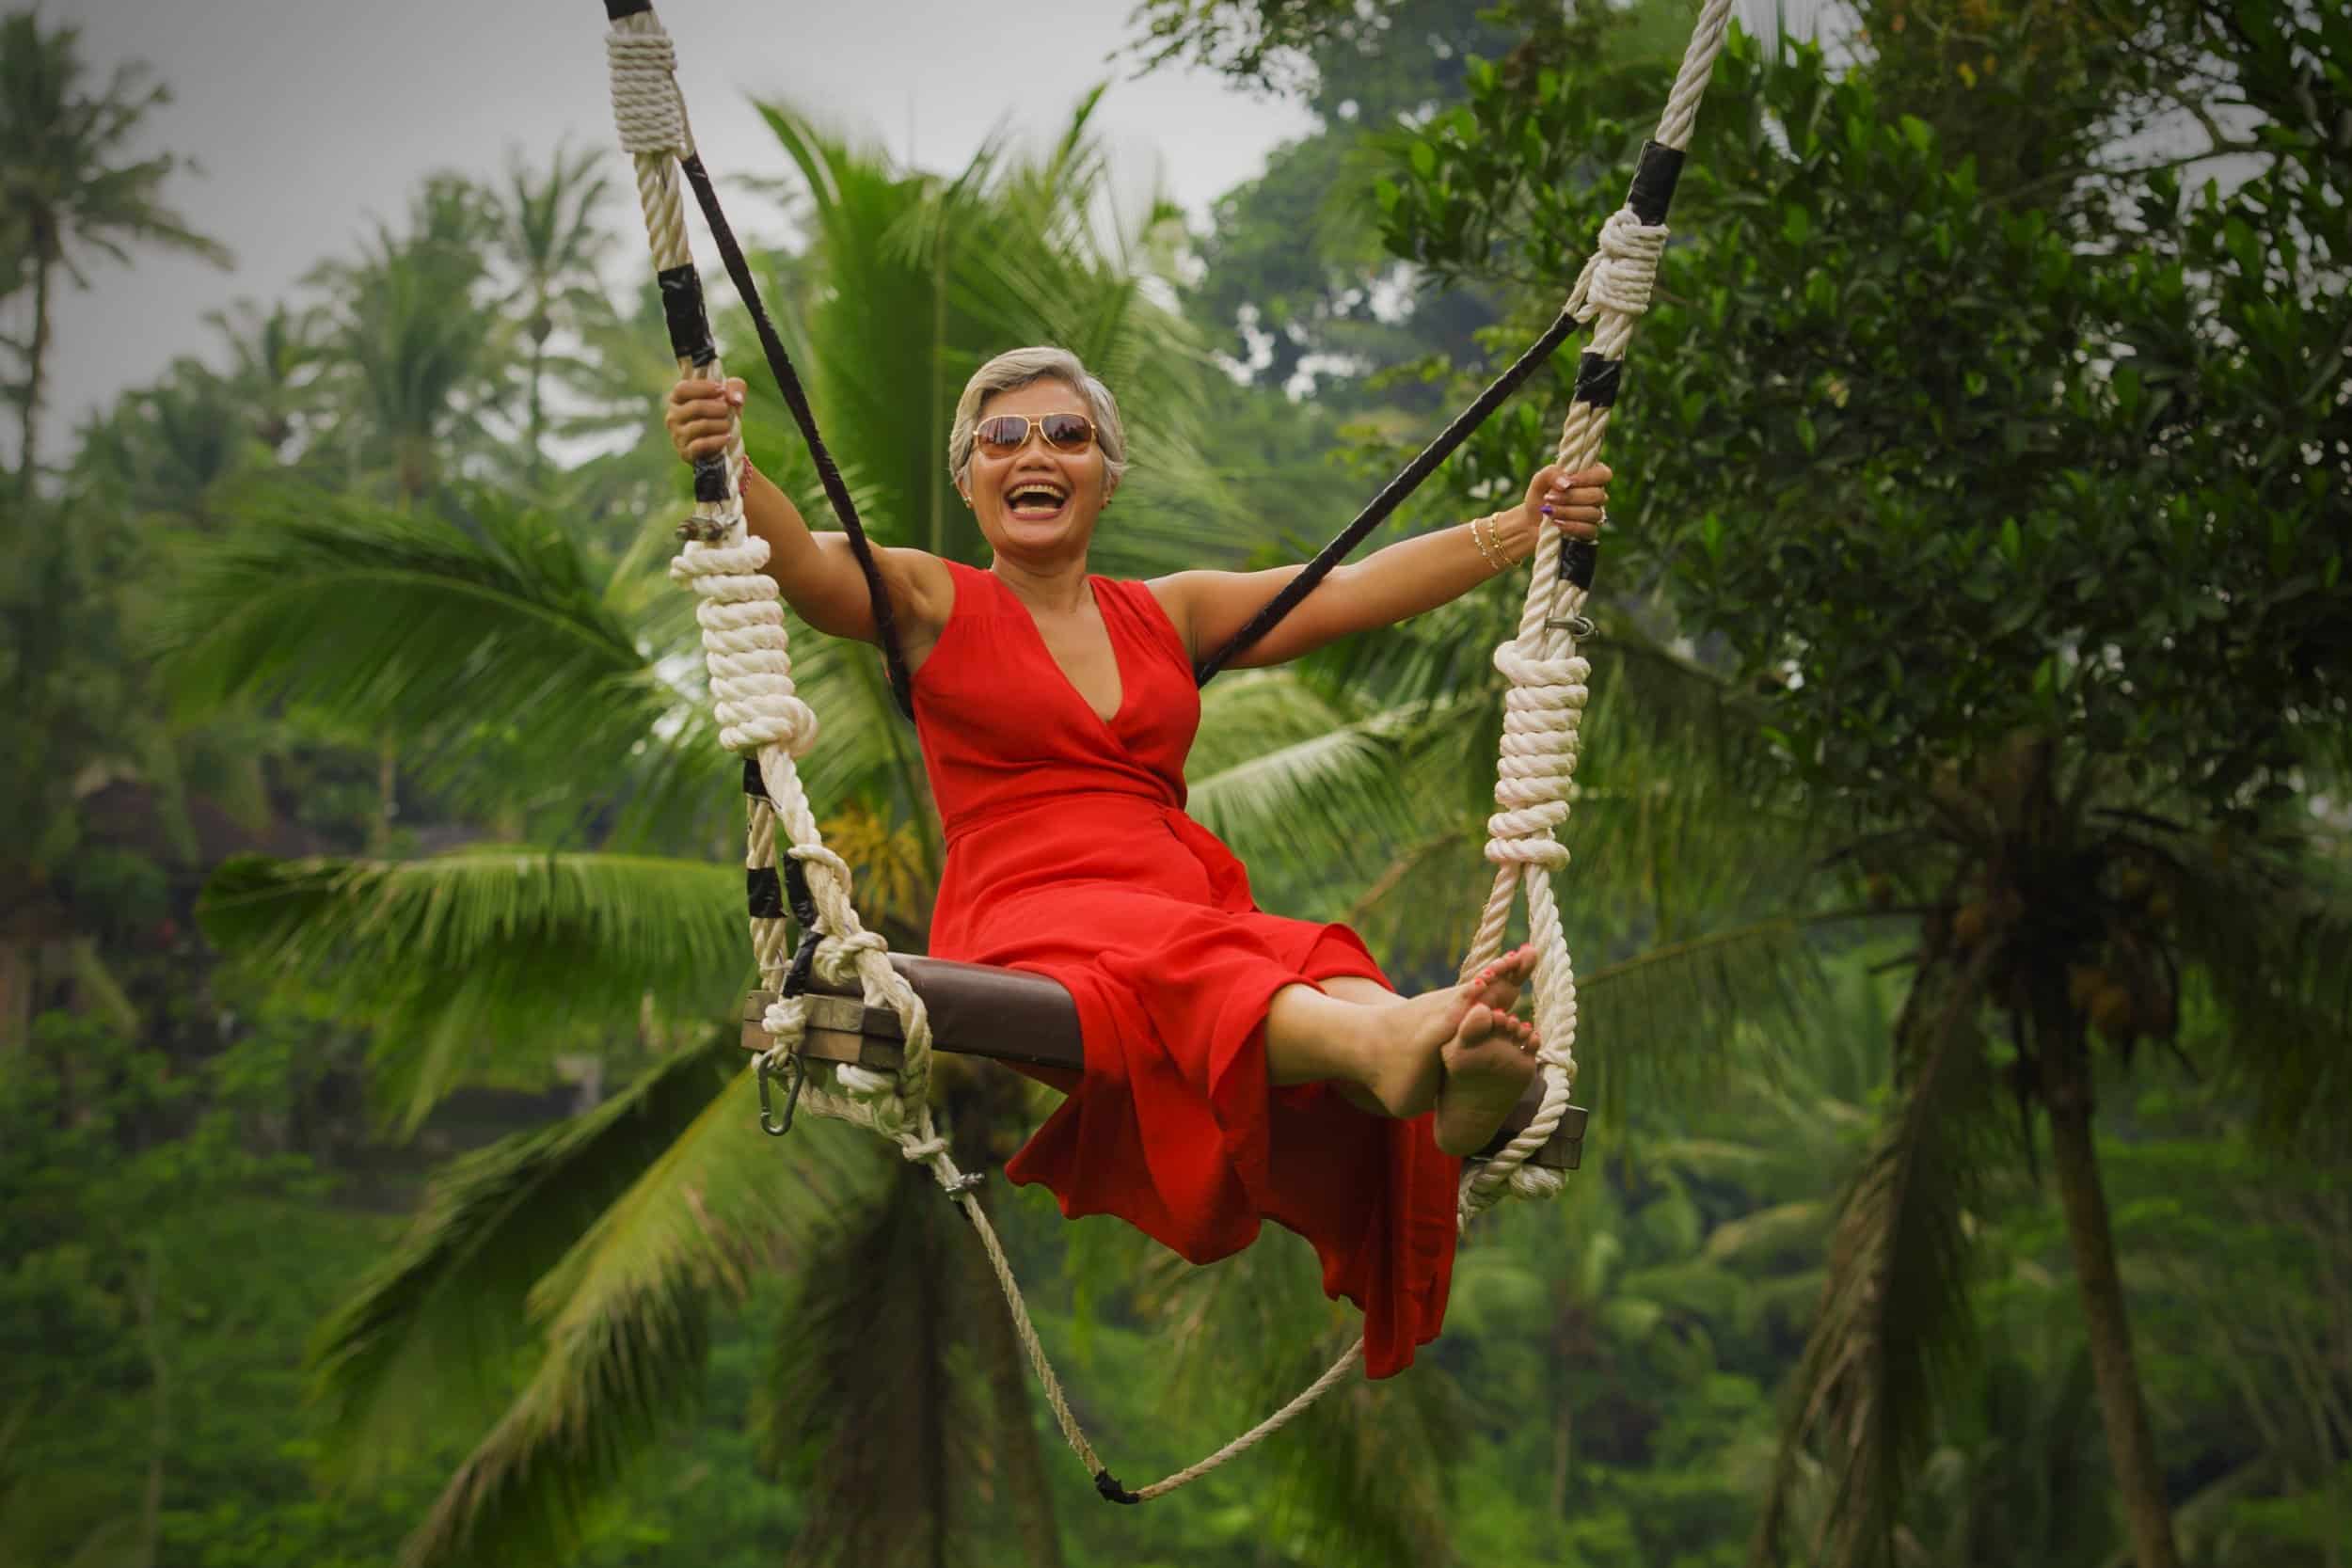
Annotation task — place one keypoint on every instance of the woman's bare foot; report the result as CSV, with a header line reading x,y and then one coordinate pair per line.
x,y
1425,1036
1498,985
1488,1063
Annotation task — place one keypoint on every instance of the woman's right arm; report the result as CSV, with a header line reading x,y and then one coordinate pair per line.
x,y
818,572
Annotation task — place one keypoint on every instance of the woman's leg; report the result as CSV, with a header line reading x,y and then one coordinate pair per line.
x,y
1457,1051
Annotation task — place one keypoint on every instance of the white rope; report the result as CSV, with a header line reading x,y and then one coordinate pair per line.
x,y
1545,704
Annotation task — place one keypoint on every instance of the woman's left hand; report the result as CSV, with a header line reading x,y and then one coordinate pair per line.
x,y
1575,501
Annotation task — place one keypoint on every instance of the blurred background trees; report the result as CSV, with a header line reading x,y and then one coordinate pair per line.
x,y
1960,890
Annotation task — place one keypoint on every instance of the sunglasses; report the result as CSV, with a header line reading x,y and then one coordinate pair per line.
x,y
1003,435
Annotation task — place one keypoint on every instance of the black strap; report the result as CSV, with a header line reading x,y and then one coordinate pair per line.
x,y
1597,381
796,399
1391,496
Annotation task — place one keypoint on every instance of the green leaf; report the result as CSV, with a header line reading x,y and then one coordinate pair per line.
x,y
427,1347
488,955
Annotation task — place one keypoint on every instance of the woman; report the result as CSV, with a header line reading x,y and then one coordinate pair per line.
x,y
1240,1067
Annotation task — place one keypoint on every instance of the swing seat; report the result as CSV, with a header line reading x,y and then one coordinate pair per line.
x,y
1007,1015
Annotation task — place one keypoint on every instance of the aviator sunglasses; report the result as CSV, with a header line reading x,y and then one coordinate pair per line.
x,y
1002,434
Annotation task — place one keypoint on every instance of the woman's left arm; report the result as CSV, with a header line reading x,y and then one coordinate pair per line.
x,y
1390,585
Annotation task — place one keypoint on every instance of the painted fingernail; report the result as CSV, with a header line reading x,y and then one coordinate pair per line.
x,y
1547,509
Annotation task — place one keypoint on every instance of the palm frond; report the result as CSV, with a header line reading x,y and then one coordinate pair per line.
x,y
1362,1475
1293,778
881,1389
487,954
1784,1228
2270,938
429,1344
417,629
1659,1023
1365,1477
627,1318
1892,1319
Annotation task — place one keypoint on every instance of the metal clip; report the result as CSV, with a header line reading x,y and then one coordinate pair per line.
x,y
1575,626
700,529
767,1122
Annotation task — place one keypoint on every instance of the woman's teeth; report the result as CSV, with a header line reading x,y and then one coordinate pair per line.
x,y
1034,502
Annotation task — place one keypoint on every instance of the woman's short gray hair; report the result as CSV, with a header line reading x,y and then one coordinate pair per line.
x,y
1019,367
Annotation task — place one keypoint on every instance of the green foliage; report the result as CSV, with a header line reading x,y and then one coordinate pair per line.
x,y
648,1334
1941,467
487,954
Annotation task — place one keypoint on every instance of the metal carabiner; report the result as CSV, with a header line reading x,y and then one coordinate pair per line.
x,y
767,1122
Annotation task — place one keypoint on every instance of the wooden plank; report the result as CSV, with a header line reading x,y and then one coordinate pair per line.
x,y
848,1030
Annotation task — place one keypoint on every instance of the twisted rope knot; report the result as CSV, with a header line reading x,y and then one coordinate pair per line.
x,y
837,957
1534,1181
745,647
646,108
1618,274
785,1019
1539,752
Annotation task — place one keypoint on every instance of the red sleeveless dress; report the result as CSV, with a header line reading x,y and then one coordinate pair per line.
x,y
1070,855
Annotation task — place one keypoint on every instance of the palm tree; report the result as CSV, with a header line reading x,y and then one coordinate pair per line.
x,y
2083,923
548,232
273,358
413,341
69,185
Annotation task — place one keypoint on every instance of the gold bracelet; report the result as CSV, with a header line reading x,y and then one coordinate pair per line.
x,y
1494,532
1485,550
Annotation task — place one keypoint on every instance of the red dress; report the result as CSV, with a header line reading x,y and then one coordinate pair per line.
x,y
1070,855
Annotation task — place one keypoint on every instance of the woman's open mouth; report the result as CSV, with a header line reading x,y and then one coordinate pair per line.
x,y
1035,500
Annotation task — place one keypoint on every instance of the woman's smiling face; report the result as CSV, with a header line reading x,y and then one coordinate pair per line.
x,y
1037,501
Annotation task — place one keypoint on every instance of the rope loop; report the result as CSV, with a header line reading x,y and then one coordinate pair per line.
x,y
816,854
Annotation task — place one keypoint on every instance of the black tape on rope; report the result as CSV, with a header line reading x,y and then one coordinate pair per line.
x,y
753,785
710,478
689,320
1597,378
615,10
1579,559
1654,180
796,894
1107,1484
763,893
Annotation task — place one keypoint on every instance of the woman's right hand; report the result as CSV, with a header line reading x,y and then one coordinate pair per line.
x,y
701,415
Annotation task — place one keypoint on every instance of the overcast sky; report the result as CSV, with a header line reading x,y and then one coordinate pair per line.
x,y
312,118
